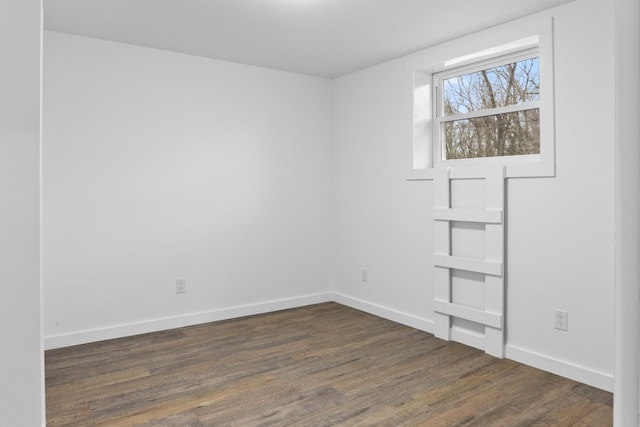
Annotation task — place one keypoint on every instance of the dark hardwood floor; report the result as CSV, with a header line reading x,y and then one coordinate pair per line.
x,y
321,365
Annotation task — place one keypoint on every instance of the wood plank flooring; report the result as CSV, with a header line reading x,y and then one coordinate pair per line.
x,y
322,365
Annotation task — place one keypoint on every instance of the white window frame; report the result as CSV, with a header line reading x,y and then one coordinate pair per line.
x,y
440,119
529,37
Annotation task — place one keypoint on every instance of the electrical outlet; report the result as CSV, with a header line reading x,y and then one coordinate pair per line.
x,y
562,320
364,275
181,286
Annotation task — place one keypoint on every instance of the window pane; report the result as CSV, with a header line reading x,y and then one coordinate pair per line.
x,y
508,84
507,134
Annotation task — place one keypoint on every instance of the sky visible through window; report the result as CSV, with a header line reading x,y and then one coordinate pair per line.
x,y
507,84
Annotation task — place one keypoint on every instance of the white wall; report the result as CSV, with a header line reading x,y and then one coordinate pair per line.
x,y
627,59
560,242
159,165
21,370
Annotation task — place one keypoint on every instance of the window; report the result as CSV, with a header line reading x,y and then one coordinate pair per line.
x,y
489,109
486,99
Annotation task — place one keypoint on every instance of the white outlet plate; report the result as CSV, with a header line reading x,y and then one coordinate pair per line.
x,y
181,286
364,275
562,320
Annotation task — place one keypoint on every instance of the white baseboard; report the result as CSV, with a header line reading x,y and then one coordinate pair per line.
x,y
563,368
385,312
467,337
125,330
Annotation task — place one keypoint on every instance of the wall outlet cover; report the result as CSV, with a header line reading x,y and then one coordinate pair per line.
x,y
181,286
562,320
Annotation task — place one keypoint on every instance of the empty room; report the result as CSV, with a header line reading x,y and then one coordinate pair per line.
x,y
319,212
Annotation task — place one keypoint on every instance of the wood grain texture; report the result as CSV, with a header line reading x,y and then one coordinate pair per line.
x,y
321,365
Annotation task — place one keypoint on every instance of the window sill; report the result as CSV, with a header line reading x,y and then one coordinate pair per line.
x,y
521,169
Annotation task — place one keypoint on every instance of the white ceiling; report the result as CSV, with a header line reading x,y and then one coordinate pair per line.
x,y
325,38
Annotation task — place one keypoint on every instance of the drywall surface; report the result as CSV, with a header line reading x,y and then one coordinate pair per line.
x,y
560,242
21,370
160,166
627,59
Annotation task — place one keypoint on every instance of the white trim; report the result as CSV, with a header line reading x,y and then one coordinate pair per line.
x,y
468,337
520,167
384,312
469,172
556,366
563,368
493,268
129,329
491,317
512,108
505,49
626,396
486,216
483,317
422,65
426,174
43,387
